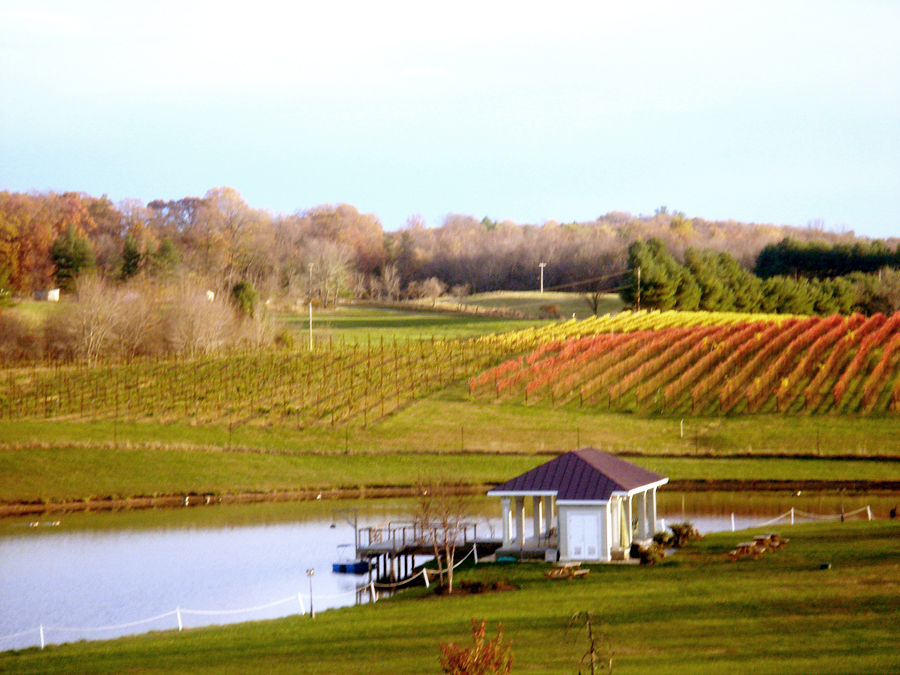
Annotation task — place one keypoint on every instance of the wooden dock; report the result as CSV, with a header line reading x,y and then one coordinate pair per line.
x,y
391,548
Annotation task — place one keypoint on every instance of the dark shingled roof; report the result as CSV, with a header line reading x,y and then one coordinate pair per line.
x,y
582,475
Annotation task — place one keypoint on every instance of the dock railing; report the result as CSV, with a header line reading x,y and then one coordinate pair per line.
x,y
399,535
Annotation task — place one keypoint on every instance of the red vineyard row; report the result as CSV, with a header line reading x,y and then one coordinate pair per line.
x,y
816,364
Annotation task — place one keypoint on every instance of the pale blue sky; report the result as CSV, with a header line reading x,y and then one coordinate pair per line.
x,y
780,112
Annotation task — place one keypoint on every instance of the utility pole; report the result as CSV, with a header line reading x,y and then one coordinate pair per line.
x,y
639,290
310,308
542,266
312,612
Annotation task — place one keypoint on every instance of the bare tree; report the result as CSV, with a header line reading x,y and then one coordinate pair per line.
x,y
430,288
330,269
86,328
390,282
198,321
440,518
598,655
139,326
594,298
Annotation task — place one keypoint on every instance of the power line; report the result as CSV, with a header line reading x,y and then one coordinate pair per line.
x,y
587,281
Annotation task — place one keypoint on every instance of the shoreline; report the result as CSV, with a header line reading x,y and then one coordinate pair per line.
x,y
13,509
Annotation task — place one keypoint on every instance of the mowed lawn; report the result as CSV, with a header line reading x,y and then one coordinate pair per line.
x,y
65,474
824,604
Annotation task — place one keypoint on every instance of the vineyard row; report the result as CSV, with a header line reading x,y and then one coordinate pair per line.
x,y
334,384
817,364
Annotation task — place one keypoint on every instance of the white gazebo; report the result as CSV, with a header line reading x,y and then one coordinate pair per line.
x,y
603,504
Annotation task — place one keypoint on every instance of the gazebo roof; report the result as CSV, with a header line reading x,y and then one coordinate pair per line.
x,y
581,475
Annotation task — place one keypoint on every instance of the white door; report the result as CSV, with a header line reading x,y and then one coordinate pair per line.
x,y
583,536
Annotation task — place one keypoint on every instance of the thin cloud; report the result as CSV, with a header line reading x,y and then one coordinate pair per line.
x,y
43,23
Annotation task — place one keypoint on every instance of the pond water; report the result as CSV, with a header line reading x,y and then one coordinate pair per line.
x,y
103,575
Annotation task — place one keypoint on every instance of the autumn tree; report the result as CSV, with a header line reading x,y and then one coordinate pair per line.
x,y
361,234
227,223
29,226
10,227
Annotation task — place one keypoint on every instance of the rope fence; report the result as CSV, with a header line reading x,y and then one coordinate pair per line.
x,y
796,514
793,514
42,630
423,573
178,613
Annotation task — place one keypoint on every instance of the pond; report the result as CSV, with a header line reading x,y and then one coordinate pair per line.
x,y
103,575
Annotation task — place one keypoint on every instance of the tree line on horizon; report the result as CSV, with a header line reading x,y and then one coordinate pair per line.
x,y
789,277
332,252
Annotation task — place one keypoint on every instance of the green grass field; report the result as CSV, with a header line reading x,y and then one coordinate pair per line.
x,y
532,303
66,474
362,323
695,613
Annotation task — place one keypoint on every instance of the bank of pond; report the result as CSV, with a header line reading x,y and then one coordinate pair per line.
x,y
96,576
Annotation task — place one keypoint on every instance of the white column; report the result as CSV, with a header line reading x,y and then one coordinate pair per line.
x,y
520,521
507,521
651,510
626,512
548,514
607,533
643,526
537,516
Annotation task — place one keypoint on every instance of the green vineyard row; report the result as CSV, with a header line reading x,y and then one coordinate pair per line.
x,y
334,384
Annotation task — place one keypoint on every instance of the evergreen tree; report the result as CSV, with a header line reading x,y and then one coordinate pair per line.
x,y
715,296
72,255
688,293
245,297
783,295
744,287
131,257
166,259
650,281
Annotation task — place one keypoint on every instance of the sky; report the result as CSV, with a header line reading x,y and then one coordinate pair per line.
x,y
782,112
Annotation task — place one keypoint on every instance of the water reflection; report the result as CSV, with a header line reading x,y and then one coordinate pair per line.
x,y
107,569
113,569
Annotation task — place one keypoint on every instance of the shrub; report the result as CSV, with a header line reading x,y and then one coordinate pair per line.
x,y
683,534
482,658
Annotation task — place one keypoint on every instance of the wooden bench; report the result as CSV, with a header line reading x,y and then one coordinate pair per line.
x,y
760,544
746,549
566,570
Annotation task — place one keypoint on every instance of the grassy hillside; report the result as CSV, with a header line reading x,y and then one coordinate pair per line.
x,y
377,385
